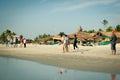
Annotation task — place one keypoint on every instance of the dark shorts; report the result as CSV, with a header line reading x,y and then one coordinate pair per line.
x,y
113,46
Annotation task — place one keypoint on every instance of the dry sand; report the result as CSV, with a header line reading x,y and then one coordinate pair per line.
x,y
87,58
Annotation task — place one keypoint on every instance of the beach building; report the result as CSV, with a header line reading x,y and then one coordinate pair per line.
x,y
108,34
103,38
83,38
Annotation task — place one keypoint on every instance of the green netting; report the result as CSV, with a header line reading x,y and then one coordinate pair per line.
x,y
105,43
106,36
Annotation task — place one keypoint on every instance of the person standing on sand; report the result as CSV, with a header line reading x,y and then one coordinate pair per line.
x,y
24,41
65,41
8,41
113,42
21,42
16,42
75,42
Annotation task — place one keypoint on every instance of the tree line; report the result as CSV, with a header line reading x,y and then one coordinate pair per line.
x,y
108,29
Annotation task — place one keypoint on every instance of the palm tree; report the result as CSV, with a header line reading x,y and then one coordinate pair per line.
x,y
105,22
61,33
5,34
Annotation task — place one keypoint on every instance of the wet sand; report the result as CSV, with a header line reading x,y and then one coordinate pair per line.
x,y
86,58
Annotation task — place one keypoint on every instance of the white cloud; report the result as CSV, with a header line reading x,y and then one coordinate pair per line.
x,y
84,4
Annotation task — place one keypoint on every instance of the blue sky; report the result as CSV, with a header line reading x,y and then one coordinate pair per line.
x,y
33,17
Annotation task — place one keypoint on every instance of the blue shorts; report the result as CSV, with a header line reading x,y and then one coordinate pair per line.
x,y
113,46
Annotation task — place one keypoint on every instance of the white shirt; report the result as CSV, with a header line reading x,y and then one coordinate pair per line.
x,y
65,39
24,40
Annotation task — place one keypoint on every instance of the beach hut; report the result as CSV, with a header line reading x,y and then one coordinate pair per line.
x,y
46,40
83,37
107,35
57,39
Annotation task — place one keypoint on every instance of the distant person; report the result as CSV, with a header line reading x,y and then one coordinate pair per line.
x,y
24,41
75,42
21,42
11,42
113,42
16,42
8,41
65,41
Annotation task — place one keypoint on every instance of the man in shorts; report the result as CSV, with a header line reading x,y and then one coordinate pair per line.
x,y
113,43
65,41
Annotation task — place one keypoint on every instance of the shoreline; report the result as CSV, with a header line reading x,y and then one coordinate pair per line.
x,y
95,59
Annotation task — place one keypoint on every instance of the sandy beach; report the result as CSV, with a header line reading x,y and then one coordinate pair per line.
x,y
87,58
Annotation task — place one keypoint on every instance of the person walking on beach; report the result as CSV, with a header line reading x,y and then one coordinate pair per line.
x,y
8,41
21,42
75,42
113,42
65,41
15,42
11,42
24,41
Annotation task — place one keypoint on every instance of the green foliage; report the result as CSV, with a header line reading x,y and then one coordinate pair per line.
x,y
5,34
105,22
100,30
13,33
85,31
38,39
109,29
61,33
91,31
117,28
43,36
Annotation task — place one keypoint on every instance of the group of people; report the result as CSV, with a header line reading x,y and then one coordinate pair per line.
x,y
66,43
65,40
14,41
